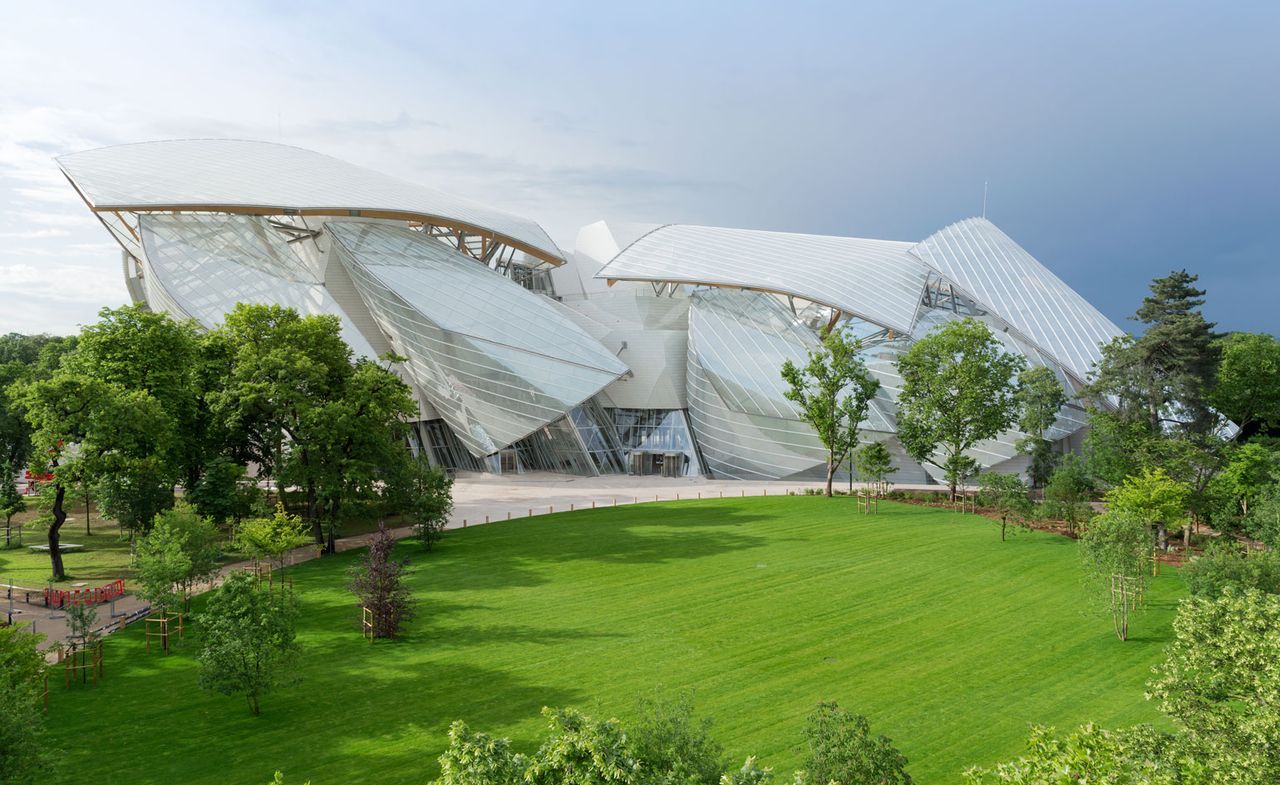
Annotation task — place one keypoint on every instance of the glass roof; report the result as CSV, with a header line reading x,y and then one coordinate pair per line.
x,y
194,174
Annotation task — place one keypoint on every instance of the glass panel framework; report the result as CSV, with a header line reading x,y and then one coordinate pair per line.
x,y
202,265
657,432
497,361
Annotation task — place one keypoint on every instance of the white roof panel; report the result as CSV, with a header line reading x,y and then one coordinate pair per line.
x,y
877,280
207,174
990,267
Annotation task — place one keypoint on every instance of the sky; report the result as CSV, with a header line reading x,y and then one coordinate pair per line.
x,y
1119,140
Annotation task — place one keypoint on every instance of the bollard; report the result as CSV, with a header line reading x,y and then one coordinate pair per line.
x,y
570,506
593,504
699,495
508,514
464,523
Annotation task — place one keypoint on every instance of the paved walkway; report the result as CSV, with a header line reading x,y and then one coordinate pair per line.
x,y
477,499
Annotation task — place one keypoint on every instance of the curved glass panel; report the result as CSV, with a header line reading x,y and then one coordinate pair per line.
x,y
877,280
496,360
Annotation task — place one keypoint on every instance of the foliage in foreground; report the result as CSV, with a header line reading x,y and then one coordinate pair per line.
x,y
667,746
248,645
1220,682
25,758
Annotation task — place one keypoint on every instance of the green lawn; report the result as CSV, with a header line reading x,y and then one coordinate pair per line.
x,y
948,639
105,556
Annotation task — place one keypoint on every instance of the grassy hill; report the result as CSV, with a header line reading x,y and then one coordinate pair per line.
x,y
949,640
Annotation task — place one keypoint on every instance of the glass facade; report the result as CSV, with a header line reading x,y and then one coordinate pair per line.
x,y
656,432
497,361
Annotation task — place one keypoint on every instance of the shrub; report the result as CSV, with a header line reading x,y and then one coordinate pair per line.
x,y
842,750
672,747
378,582
1225,564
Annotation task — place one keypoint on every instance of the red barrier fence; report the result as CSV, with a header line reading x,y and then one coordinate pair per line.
x,y
61,598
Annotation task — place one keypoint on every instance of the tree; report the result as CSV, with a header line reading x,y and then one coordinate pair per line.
x,y
1069,491
162,568
1249,469
1153,497
224,493
271,538
378,583
298,407
180,551
957,390
1163,378
248,644
11,502
1134,756
1008,495
150,352
672,746
1040,396
833,393
25,757
1221,681
841,749
875,463
1117,555
1226,565
425,493
1245,390
582,751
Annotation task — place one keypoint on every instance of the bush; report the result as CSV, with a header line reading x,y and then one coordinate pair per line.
x,y
842,750
1225,564
674,748
1068,493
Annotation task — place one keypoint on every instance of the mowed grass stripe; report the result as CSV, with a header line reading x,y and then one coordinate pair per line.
x,y
948,639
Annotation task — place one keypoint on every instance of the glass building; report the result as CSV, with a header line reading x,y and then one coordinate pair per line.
x,y
646,350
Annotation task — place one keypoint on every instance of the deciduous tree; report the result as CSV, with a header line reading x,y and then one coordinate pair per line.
x,y
833,393
1245,389
1040,397
957,390
875,463
247,646
1117,555
1008,495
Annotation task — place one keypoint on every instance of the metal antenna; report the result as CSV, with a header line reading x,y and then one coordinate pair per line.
x,y
984,198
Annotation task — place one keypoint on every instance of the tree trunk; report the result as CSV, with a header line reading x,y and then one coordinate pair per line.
x,y
87,533
1004,522
831,470
1162,537
59,518
317,530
